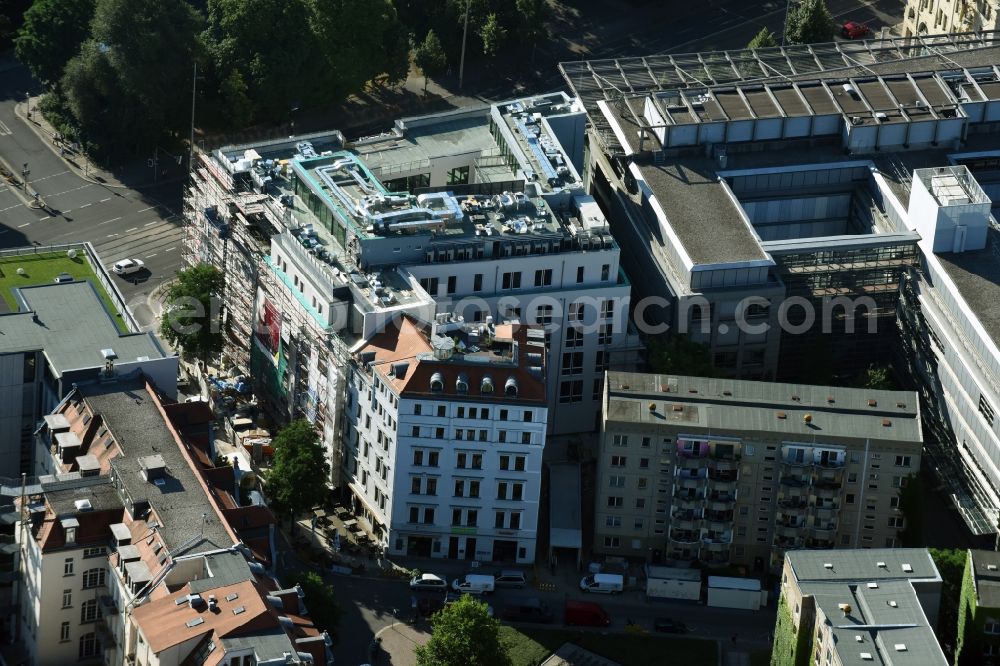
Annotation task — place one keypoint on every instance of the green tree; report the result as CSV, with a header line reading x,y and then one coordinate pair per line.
x,y
51,35
123,86
324,611
877,377
809,22
264,52
764,39
533,14
950,563
678,355
493,34
11,16
190,316
298,479
464,634
429,57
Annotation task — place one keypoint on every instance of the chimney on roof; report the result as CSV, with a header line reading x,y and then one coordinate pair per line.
x,y
213,603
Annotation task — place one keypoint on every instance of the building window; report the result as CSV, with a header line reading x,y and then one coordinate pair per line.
x,y
89,612
428,516
414,514
68,566
88,645
458,176
543,277
579,274
618,461
992,626
574,336
67,598
477,282
605,272
511,281
615,502
571,391
613,521
93,578
64,632
616,481
902,461
612,542
619,440
96,551
572,363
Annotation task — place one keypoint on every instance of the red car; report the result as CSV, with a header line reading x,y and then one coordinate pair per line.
x,y
855,30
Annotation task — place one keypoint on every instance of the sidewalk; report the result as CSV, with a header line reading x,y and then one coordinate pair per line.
x,y
398,642
131,177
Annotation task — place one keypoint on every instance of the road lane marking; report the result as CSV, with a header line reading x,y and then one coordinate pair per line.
x,y
150,256
149,224
170,249
21,226
51,175
112,235
85,205
44,218
114,219
145,209
105,199
132,229
4,130
68,210
11,207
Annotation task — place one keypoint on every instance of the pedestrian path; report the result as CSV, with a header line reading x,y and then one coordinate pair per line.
x,y
399,641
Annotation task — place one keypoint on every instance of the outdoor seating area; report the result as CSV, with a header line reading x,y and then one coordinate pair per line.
x,y
337,537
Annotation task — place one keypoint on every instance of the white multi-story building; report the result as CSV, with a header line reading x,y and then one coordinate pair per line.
x,y
931,17
444,439
479,214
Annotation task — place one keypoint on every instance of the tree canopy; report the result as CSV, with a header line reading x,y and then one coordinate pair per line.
x,y
493,34
51,35
298,479
122,88
190,317
809,22
764,39
429,56
324,611
464,634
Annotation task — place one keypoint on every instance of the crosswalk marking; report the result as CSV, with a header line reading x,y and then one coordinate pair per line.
x,y
4,130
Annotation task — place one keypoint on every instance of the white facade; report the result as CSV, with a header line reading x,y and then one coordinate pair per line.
x,y
61,602
444,475
932,17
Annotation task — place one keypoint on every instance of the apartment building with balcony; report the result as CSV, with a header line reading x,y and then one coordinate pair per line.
x,y
722,471
444,438
479,214
842,607
931,17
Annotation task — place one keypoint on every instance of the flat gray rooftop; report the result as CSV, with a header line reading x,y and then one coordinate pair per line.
x,y
72,327
976,274
102,497
224,569
181,501
700,212
885,625
749,406
862,564
987,579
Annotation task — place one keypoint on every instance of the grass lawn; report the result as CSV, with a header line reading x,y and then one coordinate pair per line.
x,y
42,269
529,647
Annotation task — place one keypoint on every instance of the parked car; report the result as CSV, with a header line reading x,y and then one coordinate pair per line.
x,y
602,583
668,625
528,610
510,578
474,584
428,581
854,30
127,266
585,614
63,277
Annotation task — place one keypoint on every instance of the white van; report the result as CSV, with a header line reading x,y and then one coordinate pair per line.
x,y
474,584
603,583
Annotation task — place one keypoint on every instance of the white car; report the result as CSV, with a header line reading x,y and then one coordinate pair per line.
x,y
428,582
127,266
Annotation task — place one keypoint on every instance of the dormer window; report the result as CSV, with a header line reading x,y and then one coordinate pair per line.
x,y
437,382
487,385
462,383
510,387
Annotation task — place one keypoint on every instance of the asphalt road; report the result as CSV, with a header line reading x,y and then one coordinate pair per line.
x,y
120,222
369,604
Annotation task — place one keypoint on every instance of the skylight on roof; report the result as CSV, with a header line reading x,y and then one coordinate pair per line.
x,y
195,622
908,568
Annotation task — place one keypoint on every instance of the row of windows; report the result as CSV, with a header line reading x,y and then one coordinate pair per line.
x,y
572,390
463,412
508,281
506,490
466,517
473,435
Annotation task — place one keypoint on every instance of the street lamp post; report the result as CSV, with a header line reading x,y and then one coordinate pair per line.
x,y
27,104
465,32
25,172
784,26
